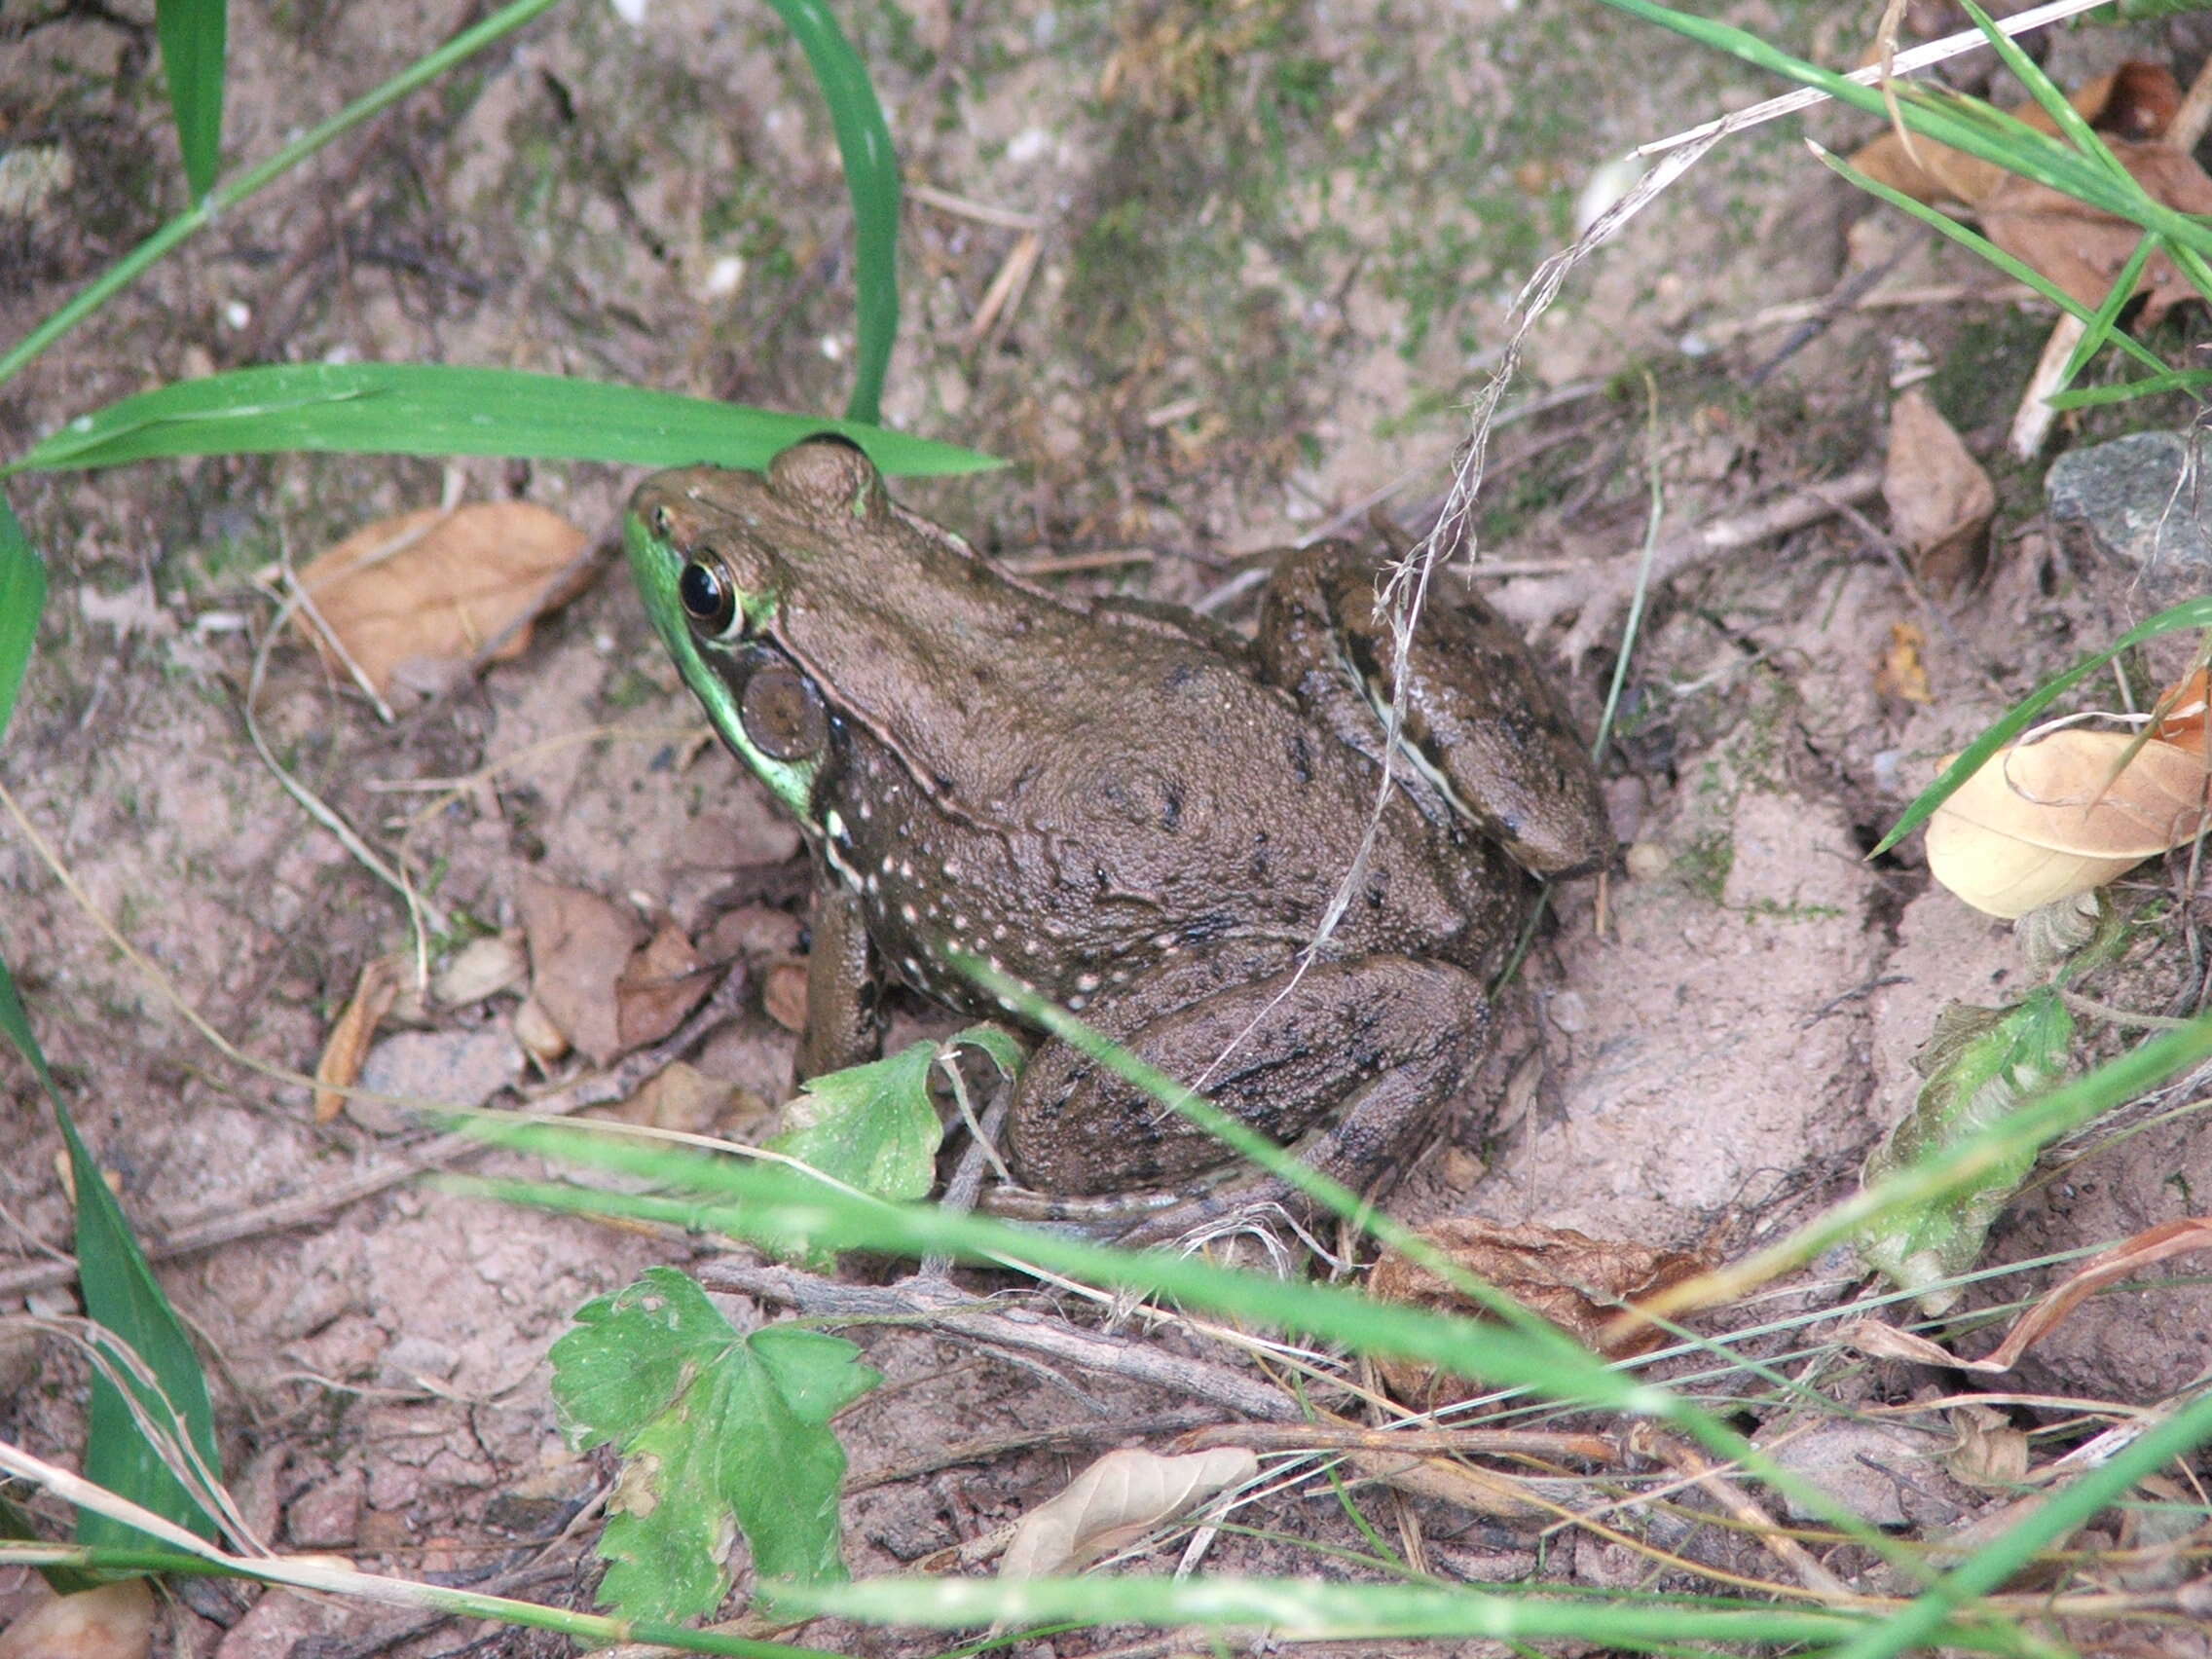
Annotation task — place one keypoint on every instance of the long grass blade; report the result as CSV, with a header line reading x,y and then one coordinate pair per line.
x,y
192,36
121,1296
434,409
1964,124
22,599
872,177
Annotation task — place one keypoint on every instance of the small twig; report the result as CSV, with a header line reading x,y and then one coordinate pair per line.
x,y
321,1202
942,1306
1788,1550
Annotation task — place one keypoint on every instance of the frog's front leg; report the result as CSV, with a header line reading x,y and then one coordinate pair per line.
x,y
844,1018
1381,1040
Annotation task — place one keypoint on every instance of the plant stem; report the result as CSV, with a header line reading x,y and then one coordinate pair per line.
x,y
133,265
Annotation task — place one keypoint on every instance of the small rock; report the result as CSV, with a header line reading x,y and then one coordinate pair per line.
x,y
327,1515
1853,1463
2138,500
455,1068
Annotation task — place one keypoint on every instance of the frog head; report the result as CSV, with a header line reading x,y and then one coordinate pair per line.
x,y
716,554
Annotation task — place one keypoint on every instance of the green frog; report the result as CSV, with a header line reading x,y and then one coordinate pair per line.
x,y
1132,810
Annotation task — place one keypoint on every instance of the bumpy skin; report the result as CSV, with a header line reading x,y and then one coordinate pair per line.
x,y
1117,807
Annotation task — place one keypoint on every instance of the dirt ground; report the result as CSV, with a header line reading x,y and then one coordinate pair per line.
x,y
1274,251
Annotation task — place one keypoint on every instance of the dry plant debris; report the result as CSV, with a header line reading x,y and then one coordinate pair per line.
x,y
1115,1502
2047,820
419,600
1577,1282
2124,1260
1940,499
591,980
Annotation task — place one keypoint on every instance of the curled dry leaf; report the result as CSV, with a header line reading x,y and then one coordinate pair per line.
x,y
2048,819
2181,713
115,1621
374,993
481,969
1577,1282
1940,498
1114,1502
2122,1261
424,598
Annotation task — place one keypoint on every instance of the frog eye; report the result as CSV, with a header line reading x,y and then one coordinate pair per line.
x,y
708,595
783,714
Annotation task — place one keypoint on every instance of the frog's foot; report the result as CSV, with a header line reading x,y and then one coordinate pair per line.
x,y
1386,1039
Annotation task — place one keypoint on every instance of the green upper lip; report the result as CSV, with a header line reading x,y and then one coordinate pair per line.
x,y
655,564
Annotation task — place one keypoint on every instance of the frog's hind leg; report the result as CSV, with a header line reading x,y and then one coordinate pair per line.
x,y
1484,730
1380,1041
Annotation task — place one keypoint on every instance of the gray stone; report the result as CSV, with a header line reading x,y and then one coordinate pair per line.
x,y
453,1068
2140,499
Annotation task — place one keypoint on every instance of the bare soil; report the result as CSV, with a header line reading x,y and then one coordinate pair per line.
x,y
1273,256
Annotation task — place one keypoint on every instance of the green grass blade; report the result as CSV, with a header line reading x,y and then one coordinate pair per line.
x,y
871,175
121,1296
1964,124
2103,329
192,36
2096,396
150,252
2046,93
23,598
1981,248
2190,614
1368,1612
432,409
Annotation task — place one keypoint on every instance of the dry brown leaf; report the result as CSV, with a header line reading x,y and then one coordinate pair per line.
x,y
1990,1452
2049,820
481,969
1904,673
348,1044
579,944
425,597
1577,1282
2123,1260
2181,713
115,1621
783,994
682,1098
2133,103
1115,1502
1940,500
659,985
2081,249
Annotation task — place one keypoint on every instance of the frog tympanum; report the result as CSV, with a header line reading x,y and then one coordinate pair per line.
x,y
1129,809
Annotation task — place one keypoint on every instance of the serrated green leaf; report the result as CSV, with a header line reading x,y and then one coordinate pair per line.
x,y
1980,1064
435,408
192,33
121,1296
720,1433
875,1126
